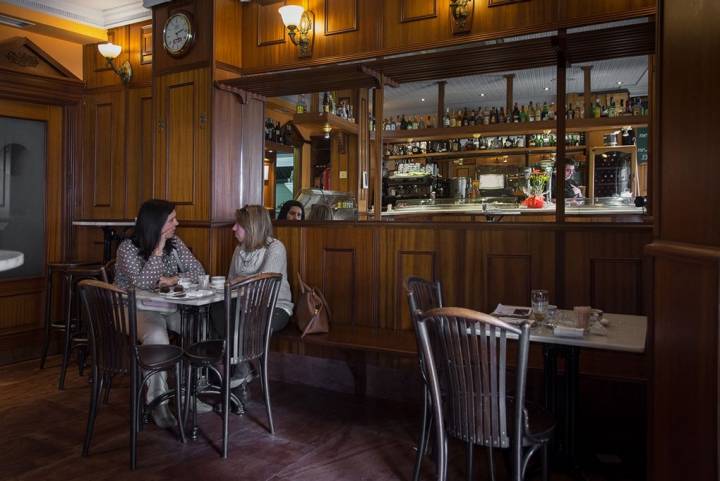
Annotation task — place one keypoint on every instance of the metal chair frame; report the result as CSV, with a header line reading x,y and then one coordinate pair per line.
x,y
113,339
472,360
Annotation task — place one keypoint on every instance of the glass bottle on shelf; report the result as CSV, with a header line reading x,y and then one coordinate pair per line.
x,y
326,103
516,113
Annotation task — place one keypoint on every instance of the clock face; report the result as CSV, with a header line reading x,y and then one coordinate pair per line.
x,y
178,34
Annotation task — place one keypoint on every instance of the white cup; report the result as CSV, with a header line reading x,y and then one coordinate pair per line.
x,y
217,281
203,281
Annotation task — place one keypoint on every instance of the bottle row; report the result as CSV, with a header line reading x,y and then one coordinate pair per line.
x,y
329,104
519,114
274,132
483,143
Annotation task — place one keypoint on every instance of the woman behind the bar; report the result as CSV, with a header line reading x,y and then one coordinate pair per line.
x,y
257,252
291,210
155,256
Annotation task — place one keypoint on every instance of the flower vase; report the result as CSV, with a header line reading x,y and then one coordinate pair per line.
x,y
535,198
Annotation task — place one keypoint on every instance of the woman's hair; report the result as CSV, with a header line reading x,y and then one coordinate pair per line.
x,y
286,208
148,226
255,221
320,212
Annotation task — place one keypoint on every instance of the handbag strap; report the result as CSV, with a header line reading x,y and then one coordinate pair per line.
x,y
303,287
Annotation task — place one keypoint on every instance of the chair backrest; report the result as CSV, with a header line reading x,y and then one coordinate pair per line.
x,y
249,321
469,349
110,271
113,325
422,296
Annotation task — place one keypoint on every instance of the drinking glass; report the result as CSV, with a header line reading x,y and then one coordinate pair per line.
x,y
203,281
539,303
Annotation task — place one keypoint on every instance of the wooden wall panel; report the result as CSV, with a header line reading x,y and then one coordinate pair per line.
x,y
103,164
182,144
615,284
270,28
338,282
139,149
341,16
411,264
140,51
414,10
136,43
509,280
227,20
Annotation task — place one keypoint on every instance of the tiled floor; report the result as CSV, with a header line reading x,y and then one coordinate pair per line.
x,y
320,435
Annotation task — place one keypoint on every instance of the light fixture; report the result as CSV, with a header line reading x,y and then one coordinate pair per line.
x,y
111,51
299,23
482,94
619,82
547,88
422,100
327,129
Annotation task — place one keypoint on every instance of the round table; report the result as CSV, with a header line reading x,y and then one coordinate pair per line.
x,y
10,260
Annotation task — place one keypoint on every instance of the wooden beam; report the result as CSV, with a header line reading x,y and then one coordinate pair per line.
x,y
509,93
363,158
587,90
440,103
378,100
561,126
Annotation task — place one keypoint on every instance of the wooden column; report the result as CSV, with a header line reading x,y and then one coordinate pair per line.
x,y
363,158
560,88
377,180
509,92
587,90
441,102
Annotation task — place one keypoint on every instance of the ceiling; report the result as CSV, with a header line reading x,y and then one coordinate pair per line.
x,y
97,13
528,85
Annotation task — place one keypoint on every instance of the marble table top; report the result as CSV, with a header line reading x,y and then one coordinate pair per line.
x,y
11,259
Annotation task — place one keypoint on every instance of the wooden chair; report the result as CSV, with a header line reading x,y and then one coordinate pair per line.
x,y
71,325
115,350
422,295
468,349
249,306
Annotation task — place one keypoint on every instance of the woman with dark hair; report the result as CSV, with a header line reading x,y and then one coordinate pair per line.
x,y
154,256
292,210
320,211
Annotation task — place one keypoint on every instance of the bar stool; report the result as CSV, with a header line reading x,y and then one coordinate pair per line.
x,y
74,333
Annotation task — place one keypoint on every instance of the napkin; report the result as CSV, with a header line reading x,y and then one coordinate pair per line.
x,y
566,331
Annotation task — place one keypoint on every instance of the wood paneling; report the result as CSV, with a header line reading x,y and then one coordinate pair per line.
x,y
341,16
139,149
270,28
510,279
411,264
136,42
615,284
338,281
414,10
182,144
140,51
393,26
228,19
103,165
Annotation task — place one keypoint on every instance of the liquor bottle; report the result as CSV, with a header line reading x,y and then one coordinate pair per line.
x,y
351,115
446,118
403,123
597,110
300,107
421,123
451,119
486,116
551,111
459,118
429,122
531,112
501,116
325,103
516,113
604,111
278,134
333,104
523,114
466,118
611,108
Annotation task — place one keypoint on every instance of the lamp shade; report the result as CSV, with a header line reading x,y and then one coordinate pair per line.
x,y
291,15
109,50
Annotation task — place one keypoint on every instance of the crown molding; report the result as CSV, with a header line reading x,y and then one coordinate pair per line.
x,y
130,11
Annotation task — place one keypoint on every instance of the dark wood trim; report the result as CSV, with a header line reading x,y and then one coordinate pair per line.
x,y
500,3
227,67
180,68
542,226
660,248
265,43
72,159
404,19
55,91
145,56
354,27
24,345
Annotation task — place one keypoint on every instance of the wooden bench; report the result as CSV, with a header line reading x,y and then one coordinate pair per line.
x,y
354,342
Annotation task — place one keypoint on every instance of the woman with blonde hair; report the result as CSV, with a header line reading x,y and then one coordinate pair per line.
x,y
257,252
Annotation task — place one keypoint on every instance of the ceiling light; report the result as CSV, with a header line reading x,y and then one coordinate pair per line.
x,y
15,22
619,82
547,88
422,100
482,95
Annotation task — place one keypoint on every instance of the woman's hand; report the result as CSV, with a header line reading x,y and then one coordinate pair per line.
x,y
167,281
164,236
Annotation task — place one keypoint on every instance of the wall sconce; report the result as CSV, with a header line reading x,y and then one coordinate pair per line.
x,y
111,51
300,25
461,13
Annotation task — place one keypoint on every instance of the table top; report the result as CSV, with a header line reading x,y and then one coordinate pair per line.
x,y
218,296
103,223
11,259
625,333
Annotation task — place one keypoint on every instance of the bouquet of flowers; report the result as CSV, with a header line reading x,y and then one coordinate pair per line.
x,y
535,193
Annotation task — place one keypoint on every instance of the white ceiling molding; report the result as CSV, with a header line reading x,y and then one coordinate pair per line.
x,y
98,13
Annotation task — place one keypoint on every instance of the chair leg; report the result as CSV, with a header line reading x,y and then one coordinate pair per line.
x,y
266,392
491,463
178,402
422,441
48,315
108,386
545,471
469,455
443,458
134,417
81,355
94,395
226,409
188,393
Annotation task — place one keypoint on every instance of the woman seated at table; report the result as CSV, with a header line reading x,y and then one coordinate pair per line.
x,y
154,257
258,252
291,210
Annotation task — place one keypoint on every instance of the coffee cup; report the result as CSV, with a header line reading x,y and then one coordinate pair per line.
x,y
582,316
203,281
217,281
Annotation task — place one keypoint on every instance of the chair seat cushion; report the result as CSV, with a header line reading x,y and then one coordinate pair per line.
x,y
158,356
206,352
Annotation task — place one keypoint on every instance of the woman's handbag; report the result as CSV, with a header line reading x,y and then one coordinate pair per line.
x,y
311,310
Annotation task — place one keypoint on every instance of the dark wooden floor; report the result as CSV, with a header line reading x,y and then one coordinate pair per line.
x,y
320,435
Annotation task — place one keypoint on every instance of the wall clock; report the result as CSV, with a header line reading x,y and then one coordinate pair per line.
x,y
178,34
